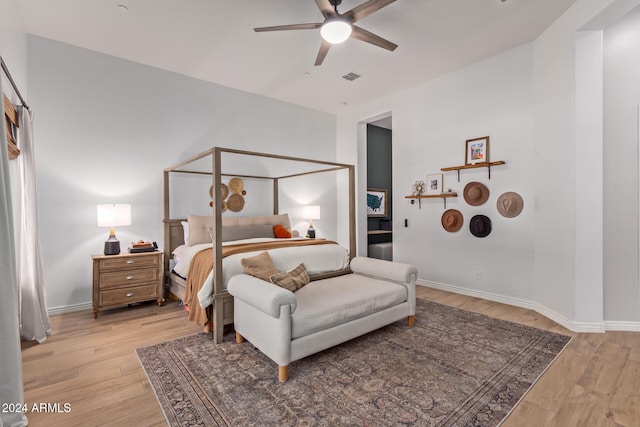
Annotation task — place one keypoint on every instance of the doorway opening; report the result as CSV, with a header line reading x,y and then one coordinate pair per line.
x,y
380,189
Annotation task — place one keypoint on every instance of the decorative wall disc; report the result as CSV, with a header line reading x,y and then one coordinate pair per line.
x,y
236,185
235,203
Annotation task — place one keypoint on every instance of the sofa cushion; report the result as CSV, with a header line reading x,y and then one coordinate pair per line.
x,y
260,266
293,279
330,302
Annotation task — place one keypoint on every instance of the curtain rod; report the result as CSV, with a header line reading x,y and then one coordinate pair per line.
x,y
13,84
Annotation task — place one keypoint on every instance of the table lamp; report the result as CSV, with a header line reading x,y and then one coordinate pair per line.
x,y
311,212
113,216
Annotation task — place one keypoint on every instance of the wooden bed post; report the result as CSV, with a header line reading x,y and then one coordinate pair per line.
x,y
352,212
218,301
276,202
167,225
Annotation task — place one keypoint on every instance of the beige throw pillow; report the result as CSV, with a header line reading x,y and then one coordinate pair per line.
x,y
260,266
293,279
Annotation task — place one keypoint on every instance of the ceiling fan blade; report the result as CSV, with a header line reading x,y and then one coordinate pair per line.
x,y
366,36
312,26
324,49
326,8
365,9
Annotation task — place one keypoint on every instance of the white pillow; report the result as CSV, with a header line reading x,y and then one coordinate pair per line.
x,y
179,253
185,229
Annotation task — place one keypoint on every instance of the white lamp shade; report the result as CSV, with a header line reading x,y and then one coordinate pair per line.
x,y
114,215
335,31
311,212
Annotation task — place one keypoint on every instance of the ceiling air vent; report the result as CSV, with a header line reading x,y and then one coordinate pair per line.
x,y
351,76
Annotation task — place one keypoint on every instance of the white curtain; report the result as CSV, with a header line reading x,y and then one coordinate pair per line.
x,y
34,320
11,388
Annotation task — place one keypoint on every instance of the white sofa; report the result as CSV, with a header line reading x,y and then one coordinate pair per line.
x,y
288,326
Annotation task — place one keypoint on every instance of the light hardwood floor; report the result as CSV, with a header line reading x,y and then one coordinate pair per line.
x,y
91,365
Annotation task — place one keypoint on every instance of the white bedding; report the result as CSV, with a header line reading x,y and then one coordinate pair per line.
x,y
316,258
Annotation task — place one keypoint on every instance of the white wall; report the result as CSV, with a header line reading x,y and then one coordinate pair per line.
x,y
431,123
622,97
525,100
105,129
13,49
558,229
13,46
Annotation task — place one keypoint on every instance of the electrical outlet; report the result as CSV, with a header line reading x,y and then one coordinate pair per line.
x,y
478,275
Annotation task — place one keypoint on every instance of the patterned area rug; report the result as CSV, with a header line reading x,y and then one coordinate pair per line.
x,y
454,368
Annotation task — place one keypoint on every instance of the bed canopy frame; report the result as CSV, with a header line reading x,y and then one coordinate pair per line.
x,y
209,162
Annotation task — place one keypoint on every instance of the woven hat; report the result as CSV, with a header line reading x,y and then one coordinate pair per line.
x,y
475,193
510,204
451,220
480,226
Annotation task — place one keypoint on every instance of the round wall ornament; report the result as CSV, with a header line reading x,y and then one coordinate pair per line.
x,y
418,188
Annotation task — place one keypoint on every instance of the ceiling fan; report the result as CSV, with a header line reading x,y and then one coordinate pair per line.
x,y
338,27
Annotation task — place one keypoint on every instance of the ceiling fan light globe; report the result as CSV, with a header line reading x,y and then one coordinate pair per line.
x,y
335,31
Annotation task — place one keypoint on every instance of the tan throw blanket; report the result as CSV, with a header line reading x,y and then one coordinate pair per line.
x,y
202,264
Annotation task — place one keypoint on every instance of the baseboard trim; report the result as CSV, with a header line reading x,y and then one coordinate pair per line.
x,y
69,308
615,325
517,302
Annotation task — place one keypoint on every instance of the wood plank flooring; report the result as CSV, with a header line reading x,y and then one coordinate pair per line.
x,y
91,365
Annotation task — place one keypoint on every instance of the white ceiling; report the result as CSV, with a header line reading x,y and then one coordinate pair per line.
x,y
213,40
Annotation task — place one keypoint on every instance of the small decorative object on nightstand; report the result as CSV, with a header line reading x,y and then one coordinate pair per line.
x,y
126,279
311,213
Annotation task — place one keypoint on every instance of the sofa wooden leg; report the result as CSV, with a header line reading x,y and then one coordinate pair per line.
x,y
239,338
411,320
283,373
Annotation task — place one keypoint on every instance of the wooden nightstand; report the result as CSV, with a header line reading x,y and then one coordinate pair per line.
x,y
126,278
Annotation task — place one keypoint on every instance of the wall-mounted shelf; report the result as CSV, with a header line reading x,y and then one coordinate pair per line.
x,y
443,196
477,165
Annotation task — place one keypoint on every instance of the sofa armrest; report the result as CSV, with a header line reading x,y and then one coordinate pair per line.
x,y
261,295
389,270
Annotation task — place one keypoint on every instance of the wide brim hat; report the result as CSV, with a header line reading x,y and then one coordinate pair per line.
x,y
480,225
451,220
476,193
510,204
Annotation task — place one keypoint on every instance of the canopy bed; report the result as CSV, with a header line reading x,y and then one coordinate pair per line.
x,y
227,236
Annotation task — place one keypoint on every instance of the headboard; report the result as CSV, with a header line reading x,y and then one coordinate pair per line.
x,y
174,232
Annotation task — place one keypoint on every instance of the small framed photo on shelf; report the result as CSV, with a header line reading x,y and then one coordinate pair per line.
x,y
434,184
376,203
477,151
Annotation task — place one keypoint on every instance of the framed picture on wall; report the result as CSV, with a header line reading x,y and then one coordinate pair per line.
x,y
376,203
477,151
434,183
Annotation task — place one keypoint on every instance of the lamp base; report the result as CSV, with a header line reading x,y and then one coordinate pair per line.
x,y
112,246
311,233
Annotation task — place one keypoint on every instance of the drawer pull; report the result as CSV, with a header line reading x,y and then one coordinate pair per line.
x,y
130,261
130,294
130,277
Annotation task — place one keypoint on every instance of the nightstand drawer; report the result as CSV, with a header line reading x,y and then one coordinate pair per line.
x,y
128,277
125,262
129,295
